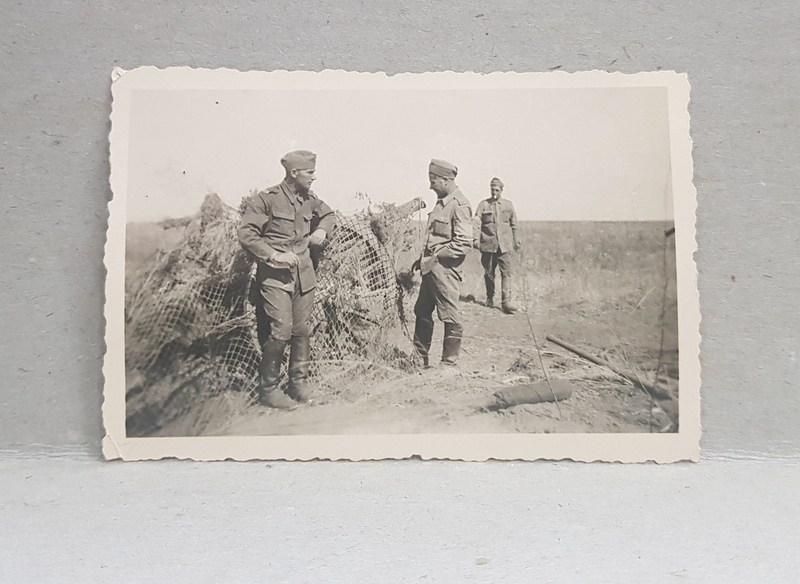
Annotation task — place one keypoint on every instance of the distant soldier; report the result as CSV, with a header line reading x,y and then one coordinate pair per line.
x,y
494,231
277,229
447,242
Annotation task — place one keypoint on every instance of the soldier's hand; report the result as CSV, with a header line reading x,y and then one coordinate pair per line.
x,y
286,258
476,244
317,237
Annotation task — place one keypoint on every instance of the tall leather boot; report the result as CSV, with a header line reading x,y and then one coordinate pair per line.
x,y
508,300
269,394
299,365
423,333
451,346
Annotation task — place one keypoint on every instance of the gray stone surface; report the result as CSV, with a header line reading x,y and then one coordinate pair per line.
x,y
397,521
730,518
55,100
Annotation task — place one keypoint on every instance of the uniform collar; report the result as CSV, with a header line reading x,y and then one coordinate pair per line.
x,y
292,196
447,198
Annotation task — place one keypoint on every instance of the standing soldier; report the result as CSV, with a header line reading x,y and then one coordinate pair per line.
x,y
277,229
446,245
494,231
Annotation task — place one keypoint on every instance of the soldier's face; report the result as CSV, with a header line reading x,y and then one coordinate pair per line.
x,y
438,183
496,190
304,178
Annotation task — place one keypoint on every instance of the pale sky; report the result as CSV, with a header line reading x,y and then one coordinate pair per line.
x,y
564,153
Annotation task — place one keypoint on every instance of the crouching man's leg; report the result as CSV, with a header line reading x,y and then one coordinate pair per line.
x,y
274,317
300,388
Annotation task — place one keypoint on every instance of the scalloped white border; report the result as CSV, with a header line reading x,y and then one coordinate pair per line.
x,y
683,445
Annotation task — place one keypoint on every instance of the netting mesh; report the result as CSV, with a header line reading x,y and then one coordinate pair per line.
x,y
190,327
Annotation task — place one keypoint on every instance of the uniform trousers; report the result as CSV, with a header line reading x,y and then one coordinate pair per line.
x,y
491,261
283,314
439,289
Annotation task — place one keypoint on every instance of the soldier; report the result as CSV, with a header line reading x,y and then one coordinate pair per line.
x,y
494,231
446,245
278,225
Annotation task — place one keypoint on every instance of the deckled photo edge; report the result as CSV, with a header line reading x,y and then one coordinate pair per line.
x,y
683,445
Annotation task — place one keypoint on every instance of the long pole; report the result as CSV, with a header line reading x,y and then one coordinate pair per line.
x,y
662,395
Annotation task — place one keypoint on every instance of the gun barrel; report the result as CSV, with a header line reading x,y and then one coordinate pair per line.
x,y
411,207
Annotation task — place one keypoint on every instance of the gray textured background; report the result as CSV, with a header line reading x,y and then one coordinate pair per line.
x,y
397,521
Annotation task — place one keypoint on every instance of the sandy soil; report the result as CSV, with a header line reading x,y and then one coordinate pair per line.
x,y
498,352
608,289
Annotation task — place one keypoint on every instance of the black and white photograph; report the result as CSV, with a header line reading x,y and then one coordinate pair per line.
x,y
356,266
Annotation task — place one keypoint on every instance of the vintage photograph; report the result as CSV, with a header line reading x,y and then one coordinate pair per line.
x,y
446,265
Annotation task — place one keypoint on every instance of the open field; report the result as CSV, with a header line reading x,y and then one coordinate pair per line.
x,y
608,288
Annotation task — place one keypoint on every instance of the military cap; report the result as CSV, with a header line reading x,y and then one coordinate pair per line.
x,y
497,181
299,160
443,168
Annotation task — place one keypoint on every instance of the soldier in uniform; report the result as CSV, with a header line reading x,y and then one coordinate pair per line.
x,y
448,239
494,230
278,226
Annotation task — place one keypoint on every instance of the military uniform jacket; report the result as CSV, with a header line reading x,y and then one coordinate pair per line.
x,y
278,220
495,226
449,234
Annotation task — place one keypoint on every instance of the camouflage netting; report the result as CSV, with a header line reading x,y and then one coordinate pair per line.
x,y
190,329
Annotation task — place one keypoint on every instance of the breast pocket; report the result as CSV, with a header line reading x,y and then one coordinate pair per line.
x,y
506,216
440,228
307,223
282,223
487,217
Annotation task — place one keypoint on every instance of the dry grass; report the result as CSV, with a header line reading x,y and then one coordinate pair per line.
x,y
597,264
610,274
